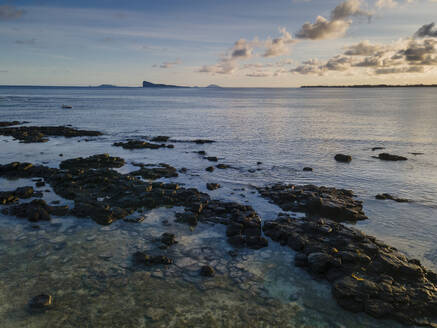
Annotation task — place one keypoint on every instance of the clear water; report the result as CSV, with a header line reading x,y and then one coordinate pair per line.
x,y
87,268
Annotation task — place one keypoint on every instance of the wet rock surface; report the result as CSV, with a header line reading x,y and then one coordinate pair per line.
x,y
343,158
390,157
139,144
146,259
36,210
153,173
338,204
212,186
366,275
388,196
9,197
31,134
10,123
95,161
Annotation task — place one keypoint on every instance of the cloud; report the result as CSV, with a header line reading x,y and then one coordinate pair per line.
x,y
244,49
258,74
427,30
364,48
337,25
398,70
404,56
10,12
386,4
169,64
279,46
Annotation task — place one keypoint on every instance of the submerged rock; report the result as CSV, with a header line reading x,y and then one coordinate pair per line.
x,y
337,204
390,157
366,275
388,196
222,166
41,302
343,158
212,186
30,134
95,161
168,239
210,169
207,271
145,259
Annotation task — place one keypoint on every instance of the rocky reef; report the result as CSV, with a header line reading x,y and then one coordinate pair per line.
x,y
139,144
31,134
337,204
366,275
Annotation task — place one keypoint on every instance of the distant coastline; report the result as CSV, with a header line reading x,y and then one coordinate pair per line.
x,y
372,86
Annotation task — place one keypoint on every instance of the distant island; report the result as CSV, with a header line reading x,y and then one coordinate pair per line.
x,y
373,86
153,85
214,86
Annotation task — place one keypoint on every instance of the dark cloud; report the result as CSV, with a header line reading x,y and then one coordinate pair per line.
x,y
421,53
363,48
427,30
10,12
336,26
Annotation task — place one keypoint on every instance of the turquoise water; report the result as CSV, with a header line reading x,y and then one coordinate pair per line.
x,y
88,268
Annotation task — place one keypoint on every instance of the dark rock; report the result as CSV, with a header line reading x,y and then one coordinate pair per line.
x,y
388,196
37,210
207,271
4,124
138,144
41,302
210,169
29,134
390,157
95,161
377,148
223,166
212,158
40,184
9,197
343,158
153,173
366,275
168,239
160,139
201,152
145,259
212,186
307,169
337,204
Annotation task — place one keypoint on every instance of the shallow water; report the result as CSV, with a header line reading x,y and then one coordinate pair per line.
x,y
88,268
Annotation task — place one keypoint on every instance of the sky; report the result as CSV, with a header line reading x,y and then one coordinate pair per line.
x,y
238,43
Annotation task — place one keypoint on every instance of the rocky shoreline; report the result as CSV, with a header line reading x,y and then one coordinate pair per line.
x,y
366,275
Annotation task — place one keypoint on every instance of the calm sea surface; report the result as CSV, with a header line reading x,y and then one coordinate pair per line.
x,y
86,266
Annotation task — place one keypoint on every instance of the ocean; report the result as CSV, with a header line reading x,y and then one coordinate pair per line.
x,y
88,266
